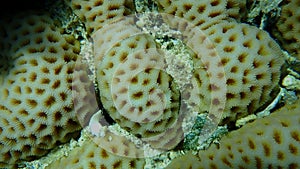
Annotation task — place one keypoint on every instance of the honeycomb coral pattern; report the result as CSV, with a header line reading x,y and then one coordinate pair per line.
x,y
36,109
200,13
270,142
236,9
204,13
116,83
252,62
288,27
135,90
119,145
185,161
135,106
104,39
96,13
253,82
90,156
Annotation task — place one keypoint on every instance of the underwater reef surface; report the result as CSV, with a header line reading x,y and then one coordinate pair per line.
x,y
150,84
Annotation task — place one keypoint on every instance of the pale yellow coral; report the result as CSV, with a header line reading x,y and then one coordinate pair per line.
x,y
252,62
200,13
236,9
245,57
129,74
36,108
135,90
204,13
96,13
288,27
270,142
90,155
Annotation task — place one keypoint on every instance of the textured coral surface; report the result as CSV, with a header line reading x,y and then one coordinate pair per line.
x,y
288,27
46,90
251,60
90,156
270,142
144,107
36,109
96,13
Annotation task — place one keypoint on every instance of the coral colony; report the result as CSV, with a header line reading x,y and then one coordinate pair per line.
x,y
151,84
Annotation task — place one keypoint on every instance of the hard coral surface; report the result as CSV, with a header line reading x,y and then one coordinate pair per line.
x,y
251,60
36,71
288,27
270,142
90,156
